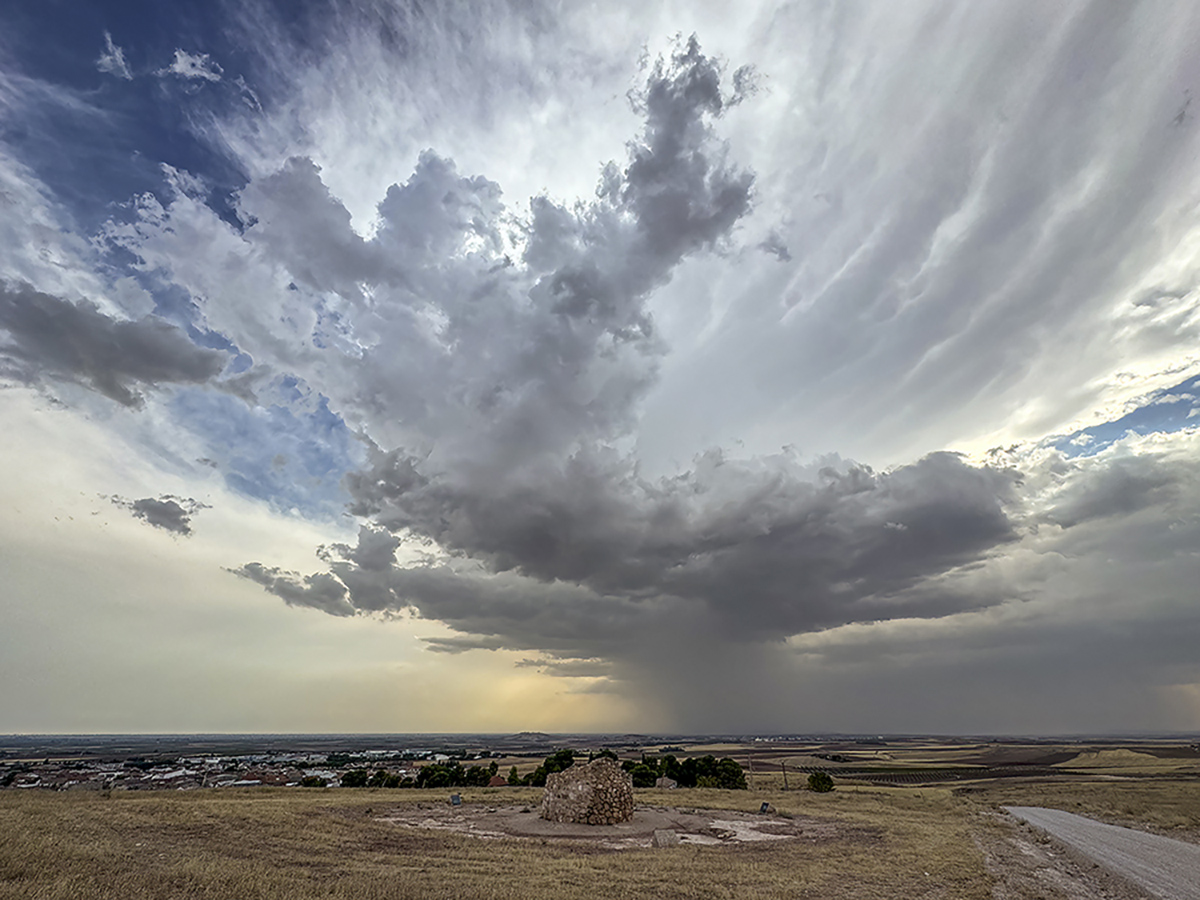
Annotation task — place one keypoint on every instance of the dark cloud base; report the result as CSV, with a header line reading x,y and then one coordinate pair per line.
x,y
52,338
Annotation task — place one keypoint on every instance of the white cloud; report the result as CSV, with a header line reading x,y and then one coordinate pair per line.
x,y
112,60
193,65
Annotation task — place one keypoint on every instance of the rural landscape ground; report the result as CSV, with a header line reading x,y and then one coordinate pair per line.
x,y
907,818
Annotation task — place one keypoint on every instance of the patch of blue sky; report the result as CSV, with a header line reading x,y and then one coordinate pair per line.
x,y
96,139
175,304
291,455
1168,410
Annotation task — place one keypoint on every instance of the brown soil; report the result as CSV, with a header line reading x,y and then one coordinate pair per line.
x,y
694,826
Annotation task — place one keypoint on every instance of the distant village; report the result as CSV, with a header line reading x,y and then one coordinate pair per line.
x,y
246,770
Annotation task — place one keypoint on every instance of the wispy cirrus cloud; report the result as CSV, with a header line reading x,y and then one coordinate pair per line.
x,y
112,60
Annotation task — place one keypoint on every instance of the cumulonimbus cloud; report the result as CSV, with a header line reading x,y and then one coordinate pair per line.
x,y
495,362
510,381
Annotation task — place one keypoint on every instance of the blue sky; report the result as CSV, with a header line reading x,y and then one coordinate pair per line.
x,y
1165,411
109,141
551,353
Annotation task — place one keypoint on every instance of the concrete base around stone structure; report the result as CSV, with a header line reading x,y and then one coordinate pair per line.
x,y
665,837
692,826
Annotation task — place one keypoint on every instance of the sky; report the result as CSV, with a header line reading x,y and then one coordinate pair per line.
x,y
664,367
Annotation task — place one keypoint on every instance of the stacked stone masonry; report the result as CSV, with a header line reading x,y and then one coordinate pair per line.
x,y
595,793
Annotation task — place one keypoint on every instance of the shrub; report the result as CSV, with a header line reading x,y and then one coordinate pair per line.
x,y
355,778
312,781
821,782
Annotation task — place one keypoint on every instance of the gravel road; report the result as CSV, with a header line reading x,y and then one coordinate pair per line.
x,y
1166,868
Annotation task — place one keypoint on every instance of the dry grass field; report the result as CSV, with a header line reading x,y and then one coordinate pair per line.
x,y
1167,807
943,840
269,844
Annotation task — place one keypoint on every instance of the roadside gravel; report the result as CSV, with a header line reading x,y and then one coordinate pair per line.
x,y
1163,867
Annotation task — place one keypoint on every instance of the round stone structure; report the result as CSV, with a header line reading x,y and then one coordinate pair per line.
x,y
595,793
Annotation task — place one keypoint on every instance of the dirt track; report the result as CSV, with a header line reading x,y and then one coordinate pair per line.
x,y
1164,867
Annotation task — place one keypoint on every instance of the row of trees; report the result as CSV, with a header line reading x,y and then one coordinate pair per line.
x,y
707,771
434,775
704,772
558,761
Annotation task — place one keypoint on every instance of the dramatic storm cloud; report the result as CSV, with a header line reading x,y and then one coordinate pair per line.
x,y
821,366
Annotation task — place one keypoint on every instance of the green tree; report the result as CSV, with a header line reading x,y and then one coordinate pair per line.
x,y
513,777
643,776
821,782
559,760
730,776
705,771
440,775
355,778
476,776
669,766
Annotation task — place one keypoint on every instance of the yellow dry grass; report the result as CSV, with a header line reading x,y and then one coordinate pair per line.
x,y
1131,762
264,844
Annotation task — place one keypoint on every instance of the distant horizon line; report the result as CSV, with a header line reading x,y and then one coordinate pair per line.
x,y
1125,735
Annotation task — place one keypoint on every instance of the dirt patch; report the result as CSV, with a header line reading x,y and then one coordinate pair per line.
x,y
694,826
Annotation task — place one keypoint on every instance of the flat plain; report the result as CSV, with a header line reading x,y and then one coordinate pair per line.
x,y
902,822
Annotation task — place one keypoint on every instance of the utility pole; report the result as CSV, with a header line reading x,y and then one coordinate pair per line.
x,y
783,766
